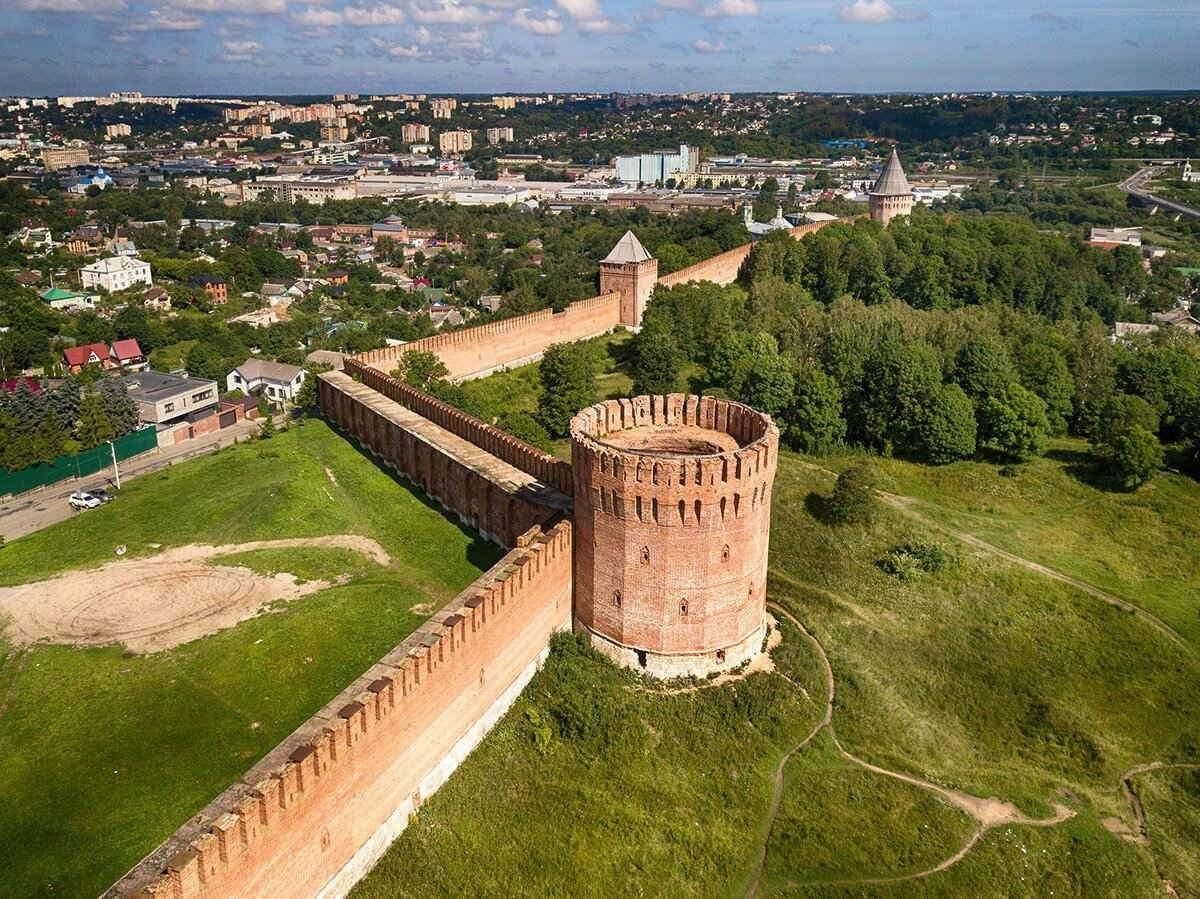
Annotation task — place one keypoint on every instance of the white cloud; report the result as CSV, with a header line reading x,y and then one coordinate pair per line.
x,y
546,24
815,50
85,6
371,16
240,51
467,39
234,6
731,8
166,20
589,17
318,18
398,51
602,26
700,45
451,12
867,12
721,9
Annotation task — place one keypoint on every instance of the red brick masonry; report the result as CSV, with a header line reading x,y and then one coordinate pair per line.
x,y
291,824
671,539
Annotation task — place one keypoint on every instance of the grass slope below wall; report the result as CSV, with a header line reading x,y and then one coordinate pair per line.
x,y
985,677
106,753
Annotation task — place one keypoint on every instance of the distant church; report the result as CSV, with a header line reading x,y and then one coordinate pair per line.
x,y
892,194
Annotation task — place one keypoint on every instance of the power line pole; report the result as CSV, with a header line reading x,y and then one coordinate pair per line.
x,y
116,471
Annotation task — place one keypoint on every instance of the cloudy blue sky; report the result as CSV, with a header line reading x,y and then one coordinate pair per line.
x,y
322,46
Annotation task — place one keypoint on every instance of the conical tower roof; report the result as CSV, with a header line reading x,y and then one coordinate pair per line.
x,y
628,249
892,180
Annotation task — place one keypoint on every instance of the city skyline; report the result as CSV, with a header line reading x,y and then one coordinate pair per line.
x,y
295,46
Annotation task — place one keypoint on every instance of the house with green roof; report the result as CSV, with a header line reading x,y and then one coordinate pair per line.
x,y
67,300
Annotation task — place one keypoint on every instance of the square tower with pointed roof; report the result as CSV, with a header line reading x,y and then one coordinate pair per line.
x,y
632,272
892,195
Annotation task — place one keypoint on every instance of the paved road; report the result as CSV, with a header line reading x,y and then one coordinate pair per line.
x,y
41,508
1135,185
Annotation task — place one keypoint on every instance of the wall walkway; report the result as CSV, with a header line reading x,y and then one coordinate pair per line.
x,y
529,459
487,493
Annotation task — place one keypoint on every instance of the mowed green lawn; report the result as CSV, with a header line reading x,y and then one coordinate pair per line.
x,y
984,677
105,753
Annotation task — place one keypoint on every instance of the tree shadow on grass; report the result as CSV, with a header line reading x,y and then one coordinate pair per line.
x,y
817,505
480,552
620,355
1086,468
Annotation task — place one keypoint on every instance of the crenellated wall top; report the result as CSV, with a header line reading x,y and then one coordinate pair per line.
x,y
674,439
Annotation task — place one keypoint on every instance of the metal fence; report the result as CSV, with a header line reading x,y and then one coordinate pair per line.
x,y
77,465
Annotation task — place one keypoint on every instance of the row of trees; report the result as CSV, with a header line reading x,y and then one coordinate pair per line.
x,y
934,262
39,427
933,385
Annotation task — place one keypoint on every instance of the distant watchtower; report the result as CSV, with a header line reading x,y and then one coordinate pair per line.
x,y
892,194
632,272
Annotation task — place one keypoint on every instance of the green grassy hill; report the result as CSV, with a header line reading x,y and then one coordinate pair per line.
x,y
988,678
106,753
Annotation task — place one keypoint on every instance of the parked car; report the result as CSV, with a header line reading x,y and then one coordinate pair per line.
x,y
83,499
101,494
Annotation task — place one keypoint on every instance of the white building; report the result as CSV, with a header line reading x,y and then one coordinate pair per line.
x,y
288,189
1189,176
120,129
115,273
276,381
414,133
649,168
443,108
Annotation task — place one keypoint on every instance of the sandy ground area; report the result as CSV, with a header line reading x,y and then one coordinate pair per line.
x,y
154,603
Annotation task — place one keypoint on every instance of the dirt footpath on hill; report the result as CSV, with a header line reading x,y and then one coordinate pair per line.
x,y
151,604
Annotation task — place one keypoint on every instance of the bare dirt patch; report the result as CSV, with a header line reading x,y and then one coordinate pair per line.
x,y
151,604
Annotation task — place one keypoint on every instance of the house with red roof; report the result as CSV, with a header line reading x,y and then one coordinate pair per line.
x,y
79,357
128,354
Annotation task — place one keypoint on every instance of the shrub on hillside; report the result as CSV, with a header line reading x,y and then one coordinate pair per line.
x,y
525,427
1014,424
945,426
913,557
814,422
420,368
568,379
853,498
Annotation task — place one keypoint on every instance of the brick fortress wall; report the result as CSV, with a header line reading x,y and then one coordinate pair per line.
x,y
314,815
724,267
672,511
479,351
543,466
486,492
476,352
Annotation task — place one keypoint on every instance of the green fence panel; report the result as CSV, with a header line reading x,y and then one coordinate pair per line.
x,y
77,465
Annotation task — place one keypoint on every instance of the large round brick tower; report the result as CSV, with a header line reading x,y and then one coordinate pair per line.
x,y
672,520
